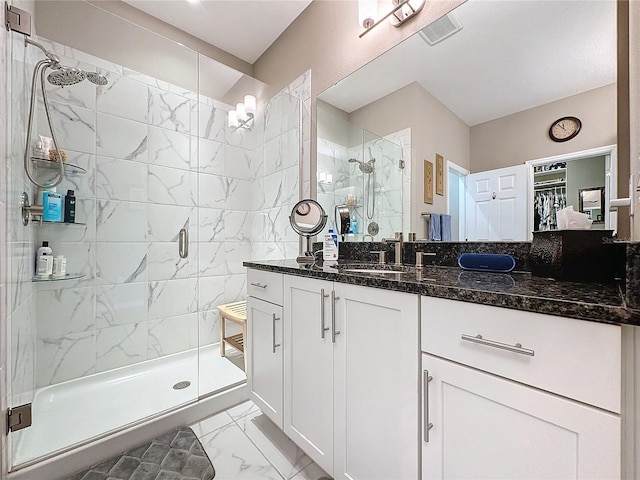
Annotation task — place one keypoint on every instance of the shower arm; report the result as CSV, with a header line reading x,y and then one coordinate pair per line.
x,y
51,56
41,66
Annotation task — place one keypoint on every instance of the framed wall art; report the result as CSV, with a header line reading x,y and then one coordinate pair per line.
x,y
439,174
428,182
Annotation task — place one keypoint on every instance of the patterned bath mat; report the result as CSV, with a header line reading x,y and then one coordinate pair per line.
x,y
176,455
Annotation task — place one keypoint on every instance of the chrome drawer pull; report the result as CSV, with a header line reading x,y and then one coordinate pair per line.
x,y
517,348
274,333
426,378
322,327
258,285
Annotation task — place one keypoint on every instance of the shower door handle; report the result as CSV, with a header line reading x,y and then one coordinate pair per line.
x,y
183,243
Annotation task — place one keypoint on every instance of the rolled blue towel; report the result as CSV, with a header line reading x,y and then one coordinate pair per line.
x,y
434,227
445,230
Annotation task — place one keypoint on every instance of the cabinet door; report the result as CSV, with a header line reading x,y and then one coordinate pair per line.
x,y
308,370
376,372
489,427
264,361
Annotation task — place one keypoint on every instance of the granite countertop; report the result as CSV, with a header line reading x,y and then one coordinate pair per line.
x,y
602,303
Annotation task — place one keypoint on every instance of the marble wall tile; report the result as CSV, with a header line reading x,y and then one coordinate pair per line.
x,y
211,293
121,221
211,259
121,262
121,304
22,348
118,179
238,226
75,127
272,186
212,122
21,269
120,345
235,254
121,138
82,183
171,186
240,164
80,260
169,148
171,298
213,190
64,311
212,156
122,97
273,156
164,262
208,327
165,222
65,358
290,186
269,224
170,335
170,111
211,224
81,94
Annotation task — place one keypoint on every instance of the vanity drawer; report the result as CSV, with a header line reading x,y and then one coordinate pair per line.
x,y
265,285
574,358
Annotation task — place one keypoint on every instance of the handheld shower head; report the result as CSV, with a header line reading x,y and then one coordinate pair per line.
x,y
65,76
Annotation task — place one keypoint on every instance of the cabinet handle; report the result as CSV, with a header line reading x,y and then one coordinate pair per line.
x,y
333,316
183,243
274,333
258,285
322,327
517,348
426,378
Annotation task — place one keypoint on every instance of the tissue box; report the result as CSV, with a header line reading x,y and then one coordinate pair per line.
x,y
575,255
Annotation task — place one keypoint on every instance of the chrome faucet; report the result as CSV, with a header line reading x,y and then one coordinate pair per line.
x,y
397,240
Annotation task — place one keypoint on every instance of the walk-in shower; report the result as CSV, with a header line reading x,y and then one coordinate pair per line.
x,y
61,76
98,352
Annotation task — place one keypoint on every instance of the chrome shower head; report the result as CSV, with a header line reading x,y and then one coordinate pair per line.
x,y
97,78
65,76
364,167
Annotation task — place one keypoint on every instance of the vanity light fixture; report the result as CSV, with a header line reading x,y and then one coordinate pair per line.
x,y
402,11
243,115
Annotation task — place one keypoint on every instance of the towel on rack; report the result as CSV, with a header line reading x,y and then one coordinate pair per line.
x,y
434,227
445,228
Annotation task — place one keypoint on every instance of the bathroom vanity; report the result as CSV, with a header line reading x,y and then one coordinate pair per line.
x,y
405,372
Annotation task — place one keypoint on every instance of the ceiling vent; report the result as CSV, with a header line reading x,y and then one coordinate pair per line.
x,y
442,28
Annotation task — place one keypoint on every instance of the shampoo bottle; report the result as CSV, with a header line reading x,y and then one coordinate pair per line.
x,y
70,207
44,261
330,246
51,206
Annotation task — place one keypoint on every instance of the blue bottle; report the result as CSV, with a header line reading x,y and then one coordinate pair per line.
x,y
51,206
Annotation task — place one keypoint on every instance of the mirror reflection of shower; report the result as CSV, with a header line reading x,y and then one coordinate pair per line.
x,y
368,169
61,76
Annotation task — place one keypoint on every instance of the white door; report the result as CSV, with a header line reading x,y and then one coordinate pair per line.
x,y
308,367
264,362
496,205
488,427
376,370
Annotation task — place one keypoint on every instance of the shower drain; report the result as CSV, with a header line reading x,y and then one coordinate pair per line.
x,y
181,385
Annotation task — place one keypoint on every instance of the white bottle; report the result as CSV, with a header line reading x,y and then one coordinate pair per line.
x,y
330,246
59,266
44,261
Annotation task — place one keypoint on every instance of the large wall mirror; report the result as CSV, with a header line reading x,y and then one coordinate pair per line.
x,y
481,88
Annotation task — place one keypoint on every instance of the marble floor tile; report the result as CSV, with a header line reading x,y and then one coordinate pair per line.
x,y
243,409
312,472
235,457
209,424
283,454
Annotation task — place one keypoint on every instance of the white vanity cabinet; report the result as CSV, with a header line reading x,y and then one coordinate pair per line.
x,y
518,395
351,378
264,343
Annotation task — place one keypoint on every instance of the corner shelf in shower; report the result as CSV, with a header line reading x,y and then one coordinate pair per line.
x,y
49,222
68,276
69,168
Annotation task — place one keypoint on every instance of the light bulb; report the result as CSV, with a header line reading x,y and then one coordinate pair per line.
x,y
250,105
241,113
367,12
233,119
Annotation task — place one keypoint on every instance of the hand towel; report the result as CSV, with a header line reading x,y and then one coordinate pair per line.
x,y
434,227
445,228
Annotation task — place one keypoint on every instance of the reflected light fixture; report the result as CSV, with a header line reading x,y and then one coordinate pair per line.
x,y
402,11
243,115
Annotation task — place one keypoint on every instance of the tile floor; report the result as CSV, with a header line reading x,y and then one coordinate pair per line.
x,y
243,443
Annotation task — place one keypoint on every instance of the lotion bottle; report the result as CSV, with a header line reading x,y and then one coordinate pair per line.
x,y
330,246
44,261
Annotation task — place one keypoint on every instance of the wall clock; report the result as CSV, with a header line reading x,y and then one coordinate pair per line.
x,y
564,129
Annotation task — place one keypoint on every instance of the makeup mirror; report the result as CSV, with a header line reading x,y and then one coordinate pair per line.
x,y
307,219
